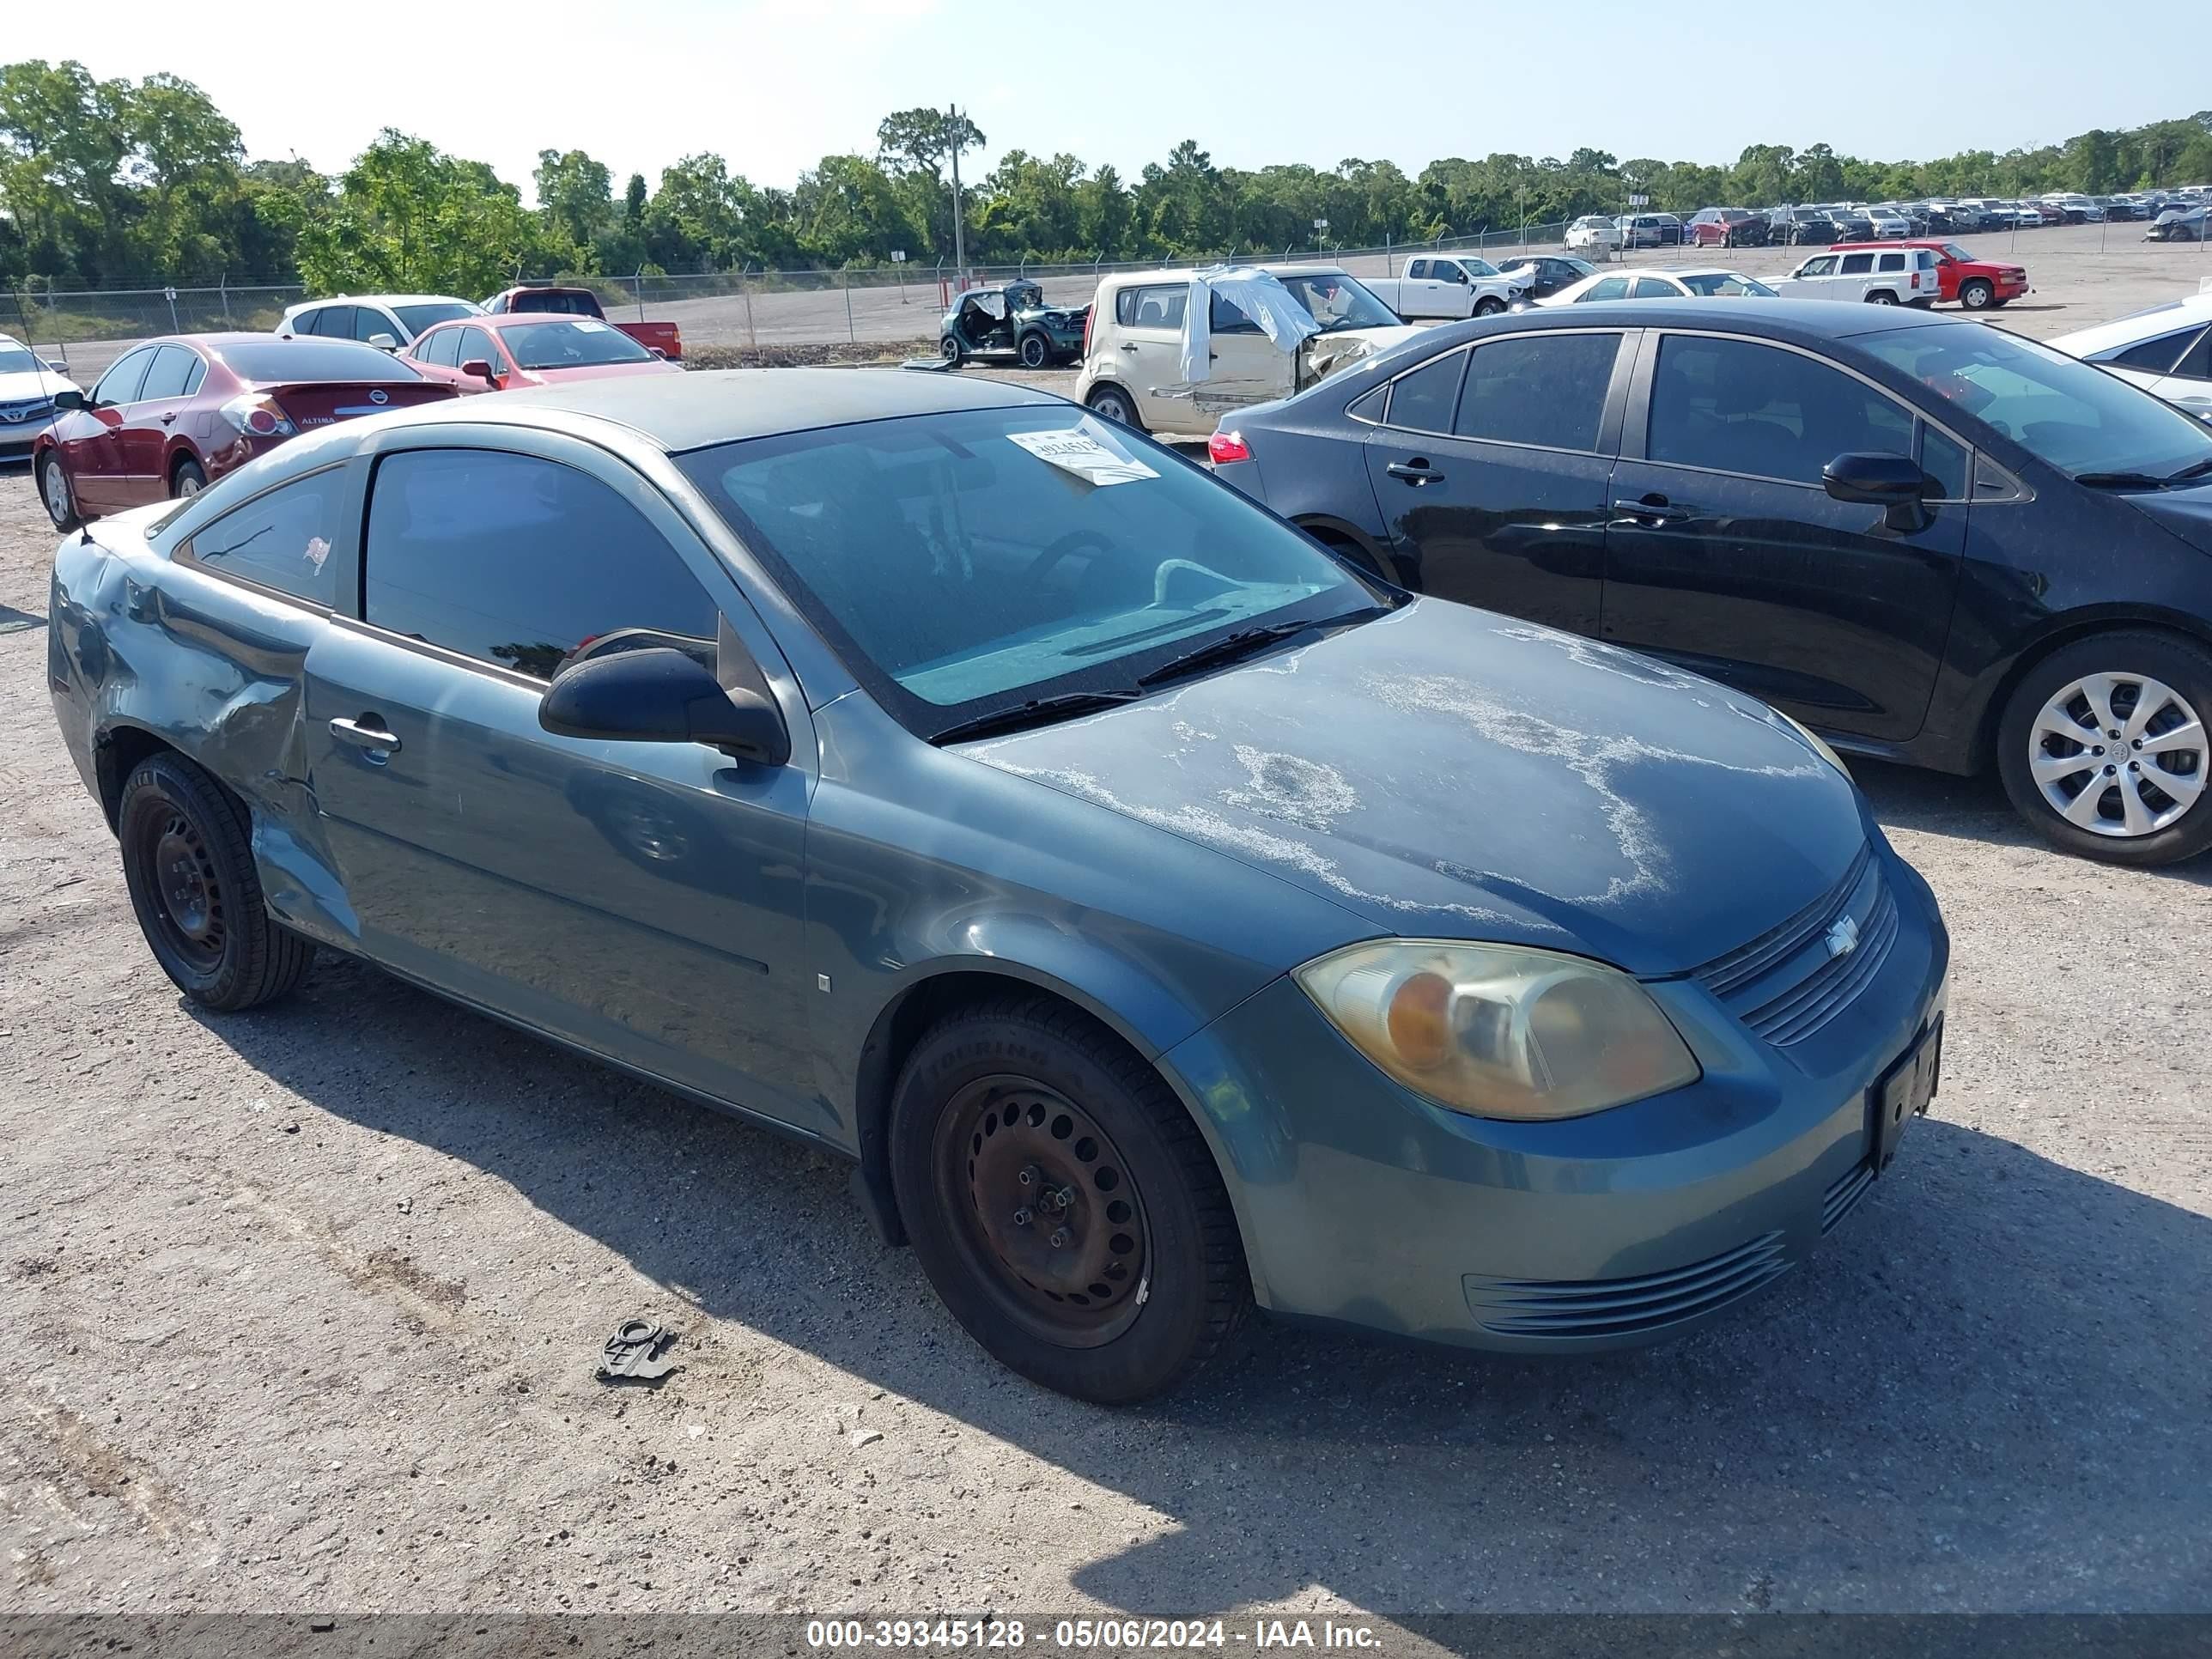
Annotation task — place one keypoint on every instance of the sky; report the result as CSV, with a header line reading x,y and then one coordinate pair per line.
x,y
774,85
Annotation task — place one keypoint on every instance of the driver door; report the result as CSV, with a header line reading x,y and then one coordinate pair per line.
x,y
91,442
1248,367
640,899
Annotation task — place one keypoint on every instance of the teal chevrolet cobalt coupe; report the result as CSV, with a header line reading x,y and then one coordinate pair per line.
x,y
1162,916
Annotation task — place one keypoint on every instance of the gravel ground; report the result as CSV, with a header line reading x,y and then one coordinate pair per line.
x,y
307,1303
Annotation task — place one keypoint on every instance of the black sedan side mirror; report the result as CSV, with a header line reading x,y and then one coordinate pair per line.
x,y
68,398
1894,482
662,695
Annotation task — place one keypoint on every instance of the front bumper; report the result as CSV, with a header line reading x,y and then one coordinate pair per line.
x,y
1362,1204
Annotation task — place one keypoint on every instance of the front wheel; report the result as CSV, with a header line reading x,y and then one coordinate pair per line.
x,y
1976,293
1488,306
1117,405
1037,351
54,490
188,863
1063,1204
2102,749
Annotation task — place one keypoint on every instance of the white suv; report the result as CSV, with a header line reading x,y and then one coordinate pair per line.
x,y
1882,276
390,320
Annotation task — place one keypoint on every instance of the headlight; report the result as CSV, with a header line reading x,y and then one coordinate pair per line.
x,y
1819,746
1498,1030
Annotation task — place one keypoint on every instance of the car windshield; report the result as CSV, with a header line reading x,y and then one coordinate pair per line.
x,y
1725,284
428,315
14,360
275,361
2066,413
571,343
1337,302
562,301
1953,251
1477,267
966,563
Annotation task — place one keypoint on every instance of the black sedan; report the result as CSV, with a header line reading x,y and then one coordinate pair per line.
x,y
1932,541
1550,272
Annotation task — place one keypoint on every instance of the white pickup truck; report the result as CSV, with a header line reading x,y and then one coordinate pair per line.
x,y
1450,285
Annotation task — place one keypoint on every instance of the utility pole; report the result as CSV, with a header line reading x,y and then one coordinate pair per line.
x,y
959,236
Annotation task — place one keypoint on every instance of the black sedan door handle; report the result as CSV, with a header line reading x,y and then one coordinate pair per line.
x,y
1658,508
367,733
1415,473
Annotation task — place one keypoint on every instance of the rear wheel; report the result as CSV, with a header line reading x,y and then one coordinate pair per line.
x,y
1881,297
1037,351
1062,1202
188,864
1115,405
187,481
1978,293
54,490
2103,748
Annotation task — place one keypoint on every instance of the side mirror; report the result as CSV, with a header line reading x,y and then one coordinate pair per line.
x,y
53,368
661,695
384,343
477,369
658,353
1894,482
70,397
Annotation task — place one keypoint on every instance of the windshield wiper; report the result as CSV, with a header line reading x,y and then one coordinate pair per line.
x,y
1244,642
2194,469
1038,711
2119,481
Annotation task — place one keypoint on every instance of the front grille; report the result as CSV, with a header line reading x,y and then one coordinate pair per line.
x,y
1843,1194
1792,980
1621,1307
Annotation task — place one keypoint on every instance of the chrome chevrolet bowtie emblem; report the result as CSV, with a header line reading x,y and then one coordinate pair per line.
x,y
1843,938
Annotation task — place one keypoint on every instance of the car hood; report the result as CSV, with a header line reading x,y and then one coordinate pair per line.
x,y
32,383
2186,513
1325,354
1445,772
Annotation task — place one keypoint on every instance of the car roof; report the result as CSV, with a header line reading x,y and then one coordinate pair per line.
x,y
678,412
2190,311
1184,273
1802,322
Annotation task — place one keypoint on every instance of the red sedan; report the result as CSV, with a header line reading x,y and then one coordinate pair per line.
x,y
172,415
492,353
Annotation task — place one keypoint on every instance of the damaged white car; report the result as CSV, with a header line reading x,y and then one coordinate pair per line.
x,y
1173,351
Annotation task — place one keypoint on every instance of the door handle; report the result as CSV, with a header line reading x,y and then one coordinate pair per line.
x,y
169,420
367,733
1414,472
1658,509
1126,346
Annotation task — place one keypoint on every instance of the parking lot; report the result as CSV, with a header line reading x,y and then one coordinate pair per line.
x,y
308,1301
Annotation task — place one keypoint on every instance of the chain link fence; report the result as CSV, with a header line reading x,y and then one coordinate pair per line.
x,y
886,307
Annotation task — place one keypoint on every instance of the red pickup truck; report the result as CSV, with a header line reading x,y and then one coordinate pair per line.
x,y
1976,285
665,338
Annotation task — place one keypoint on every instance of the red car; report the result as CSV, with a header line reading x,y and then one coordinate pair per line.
x,y
172,415
1976,285
665,338
491,353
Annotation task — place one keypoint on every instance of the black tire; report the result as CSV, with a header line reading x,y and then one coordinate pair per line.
x,y
55,494
1978,293
1999,305
2184,667
188,861
187,480
949,348
1129,1295
1115,405
1037,351
1488,306
1881,296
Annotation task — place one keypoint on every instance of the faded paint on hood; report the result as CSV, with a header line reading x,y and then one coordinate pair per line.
x,y
1445,772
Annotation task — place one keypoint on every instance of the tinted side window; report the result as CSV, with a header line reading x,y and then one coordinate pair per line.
x,y
1161,307
516,561
2197,364
1420,268
2155,356
1736,406
444,349
1946,462
1893,262
1823,266
172,368
1654,287
281,539
121,383
1549,391
1422,401
334,323
1611,289
1858,264
476,346
367,324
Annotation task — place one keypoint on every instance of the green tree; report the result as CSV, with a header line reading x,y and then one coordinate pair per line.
x,y
407,215
574,193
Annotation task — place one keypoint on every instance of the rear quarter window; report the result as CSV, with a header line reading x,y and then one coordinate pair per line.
x,y
281,539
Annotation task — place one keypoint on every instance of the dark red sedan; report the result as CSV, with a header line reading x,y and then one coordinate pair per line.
x,y
174,415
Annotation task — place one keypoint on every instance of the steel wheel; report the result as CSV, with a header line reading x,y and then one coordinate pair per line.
x,y
1047,1215
2119,754
188,901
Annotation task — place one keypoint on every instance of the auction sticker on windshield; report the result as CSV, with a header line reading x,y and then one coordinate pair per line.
x,y
1076,450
